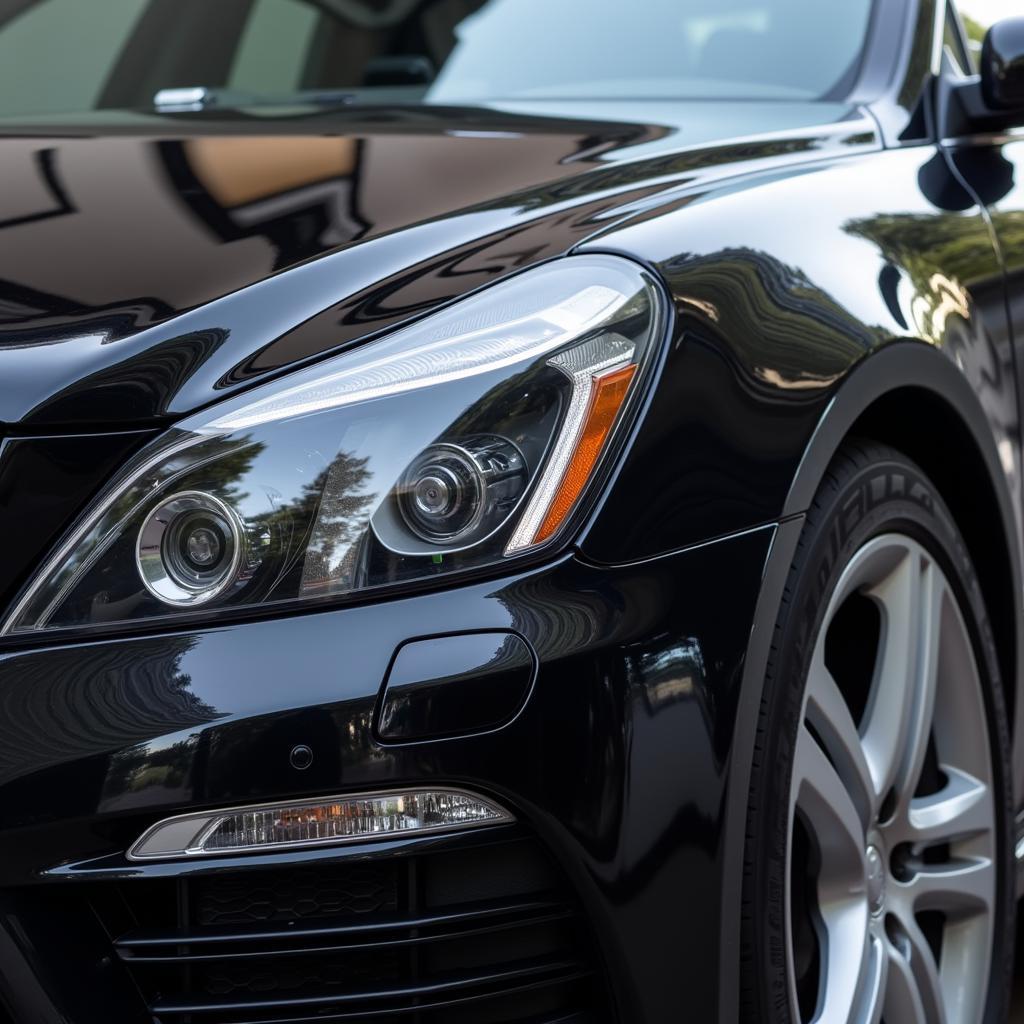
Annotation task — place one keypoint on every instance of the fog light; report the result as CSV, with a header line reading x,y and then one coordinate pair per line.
x,y
308,823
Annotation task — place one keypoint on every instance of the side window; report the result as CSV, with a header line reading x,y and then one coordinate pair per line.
x,y
56,55
953,40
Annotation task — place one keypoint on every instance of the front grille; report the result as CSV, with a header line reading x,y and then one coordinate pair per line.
x,y
304,894
488,934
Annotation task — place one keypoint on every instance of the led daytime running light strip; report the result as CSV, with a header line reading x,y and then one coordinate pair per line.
x,y
600,386
443,359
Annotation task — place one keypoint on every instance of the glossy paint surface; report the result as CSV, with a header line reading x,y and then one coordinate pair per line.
x,y
619,759
832,271
447,685
767,333
280,246
995,172
44,481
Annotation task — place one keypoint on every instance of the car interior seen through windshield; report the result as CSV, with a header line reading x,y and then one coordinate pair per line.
x,y
66,56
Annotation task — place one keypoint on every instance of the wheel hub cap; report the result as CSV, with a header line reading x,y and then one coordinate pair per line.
x,y
875,871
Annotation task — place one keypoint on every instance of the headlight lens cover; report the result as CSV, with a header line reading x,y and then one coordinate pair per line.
x,y
461,441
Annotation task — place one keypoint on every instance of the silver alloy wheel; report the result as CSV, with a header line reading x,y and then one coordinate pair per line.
x,y
883,852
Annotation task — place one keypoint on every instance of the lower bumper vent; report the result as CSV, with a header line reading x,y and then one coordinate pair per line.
x,y
487,934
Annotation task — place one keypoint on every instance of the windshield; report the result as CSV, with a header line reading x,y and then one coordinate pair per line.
x,y
67,56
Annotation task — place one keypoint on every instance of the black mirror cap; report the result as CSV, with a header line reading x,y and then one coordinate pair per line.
x,y
1002,65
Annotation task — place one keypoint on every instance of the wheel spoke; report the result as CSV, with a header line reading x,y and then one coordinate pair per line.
x,y
854,991
914,972
922,685
819,794
962,809
902,999
875,1004
898,720
829,716
962,888
871,1004
828,812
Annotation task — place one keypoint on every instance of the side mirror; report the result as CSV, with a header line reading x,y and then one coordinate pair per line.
x,y
1002,65
994,100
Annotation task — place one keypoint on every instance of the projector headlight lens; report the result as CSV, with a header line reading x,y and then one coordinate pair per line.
x,y
442,494
190,549
464,440
456,494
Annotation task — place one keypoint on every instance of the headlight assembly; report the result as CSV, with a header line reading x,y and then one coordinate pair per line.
x,y
459,442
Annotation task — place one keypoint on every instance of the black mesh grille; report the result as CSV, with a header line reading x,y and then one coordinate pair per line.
x,y
302,895
484,935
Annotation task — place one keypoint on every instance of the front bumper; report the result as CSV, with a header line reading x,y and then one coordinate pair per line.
x,y
616,769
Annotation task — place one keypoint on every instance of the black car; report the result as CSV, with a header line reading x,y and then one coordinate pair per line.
x,y
511,511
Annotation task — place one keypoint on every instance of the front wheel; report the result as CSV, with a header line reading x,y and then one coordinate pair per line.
x,y
879,854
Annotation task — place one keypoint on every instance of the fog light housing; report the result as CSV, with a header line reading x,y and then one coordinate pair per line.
x,y
342,819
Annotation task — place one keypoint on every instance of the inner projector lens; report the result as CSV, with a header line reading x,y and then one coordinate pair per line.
x,y
453,495
189,549
197,547
441,496
334,820
204,547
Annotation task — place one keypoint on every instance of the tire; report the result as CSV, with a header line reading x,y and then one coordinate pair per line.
x,y
878,886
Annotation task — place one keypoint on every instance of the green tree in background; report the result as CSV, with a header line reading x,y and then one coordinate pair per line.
x,y
975,34
975,29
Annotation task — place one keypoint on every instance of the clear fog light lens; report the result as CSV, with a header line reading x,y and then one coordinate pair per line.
x,y
189,549
335,820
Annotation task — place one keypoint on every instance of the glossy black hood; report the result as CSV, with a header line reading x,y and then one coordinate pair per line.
x,y
149,265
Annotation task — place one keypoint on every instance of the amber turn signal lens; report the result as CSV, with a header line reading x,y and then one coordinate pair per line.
x,y
609,393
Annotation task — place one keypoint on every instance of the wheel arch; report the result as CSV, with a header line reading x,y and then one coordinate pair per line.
x,y
906,394
911,396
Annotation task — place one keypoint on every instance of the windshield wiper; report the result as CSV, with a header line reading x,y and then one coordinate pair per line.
x,y
201,97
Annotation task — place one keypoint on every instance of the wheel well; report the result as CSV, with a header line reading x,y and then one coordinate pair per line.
x,y
929,430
